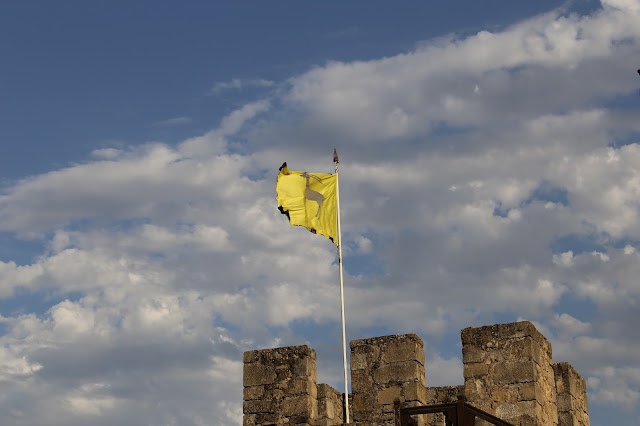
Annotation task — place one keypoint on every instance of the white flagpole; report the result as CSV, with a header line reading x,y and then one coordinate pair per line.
x,y
336,160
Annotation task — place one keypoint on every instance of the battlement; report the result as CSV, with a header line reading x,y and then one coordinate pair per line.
x,y
508,372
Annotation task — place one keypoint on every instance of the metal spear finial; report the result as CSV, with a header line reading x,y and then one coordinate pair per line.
x,y
336,159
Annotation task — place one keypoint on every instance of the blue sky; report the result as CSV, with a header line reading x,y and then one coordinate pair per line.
x,y
490,173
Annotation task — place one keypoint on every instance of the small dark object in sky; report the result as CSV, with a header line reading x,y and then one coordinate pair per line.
x,y
638,71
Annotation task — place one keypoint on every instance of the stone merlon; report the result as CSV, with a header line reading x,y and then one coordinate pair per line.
x,y
508,372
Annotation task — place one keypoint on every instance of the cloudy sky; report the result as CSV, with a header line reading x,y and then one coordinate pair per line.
x,y
490,172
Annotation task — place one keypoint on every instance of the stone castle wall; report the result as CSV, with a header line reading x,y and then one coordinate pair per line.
x,y
383,369
280,386
571,396
330,406
508,372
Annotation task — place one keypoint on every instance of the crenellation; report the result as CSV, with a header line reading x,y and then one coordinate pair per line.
x,y
383,369
508,371
502,361
280,386
571,390
330,406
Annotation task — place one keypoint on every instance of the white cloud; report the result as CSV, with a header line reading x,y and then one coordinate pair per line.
x,y
613,387
234,121
175,121
239,84
444,372
365,245
162,263
568,325
106,153
627,5
405,95
563,259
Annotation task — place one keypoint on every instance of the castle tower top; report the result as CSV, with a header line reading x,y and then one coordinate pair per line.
x,y
508,372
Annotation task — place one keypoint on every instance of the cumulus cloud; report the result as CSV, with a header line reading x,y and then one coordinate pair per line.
x,y
525,70
444,372
480,177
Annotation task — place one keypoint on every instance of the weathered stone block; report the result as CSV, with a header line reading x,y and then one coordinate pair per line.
x,y
564,402
476,390
405,371
515,372
566,419
362,381
362,406
301,385
494,336
366,346
329,410
258,406
325,391
306,367
529,407
275,393
478,336
253,392
386,409
505,394
396,347
257,373
386,396
415,391
408,347
520,349
249,420
507,410
431,395
472,353
363,355
475,369
250,356
443,394
530,392
300,406
360,361
517,329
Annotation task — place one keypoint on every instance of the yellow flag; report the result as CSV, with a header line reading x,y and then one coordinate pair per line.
x,y
309,200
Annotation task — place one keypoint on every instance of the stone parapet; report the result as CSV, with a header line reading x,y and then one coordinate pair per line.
x,y
571,393
330,406
280,386
508,372
383,369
